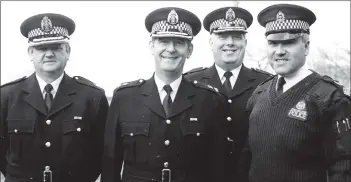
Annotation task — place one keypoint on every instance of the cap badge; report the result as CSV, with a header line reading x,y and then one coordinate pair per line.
x,y
172,17
280,16
46,25
230,15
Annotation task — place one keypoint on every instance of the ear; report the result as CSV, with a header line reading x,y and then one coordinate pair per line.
x,y
190,49
151,46
307,48
68,50
30,53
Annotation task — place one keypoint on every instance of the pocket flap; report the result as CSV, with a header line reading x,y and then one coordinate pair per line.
x,y
20,126
134,128
75,126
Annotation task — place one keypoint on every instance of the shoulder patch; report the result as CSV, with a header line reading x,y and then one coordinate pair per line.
x,y
130,84
205,86
195,70
336,83
13,82
87,82
262,72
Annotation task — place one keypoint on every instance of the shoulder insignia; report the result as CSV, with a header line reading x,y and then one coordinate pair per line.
x,y
205,86
15,81
87,82
195,70
130,84
267,79
262,72
336,83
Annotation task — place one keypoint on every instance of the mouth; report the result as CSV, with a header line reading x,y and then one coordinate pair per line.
x,y
281,60
229,50
169,57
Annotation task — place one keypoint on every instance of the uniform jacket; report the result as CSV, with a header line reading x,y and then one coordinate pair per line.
x,y
137,132
68,138
237,127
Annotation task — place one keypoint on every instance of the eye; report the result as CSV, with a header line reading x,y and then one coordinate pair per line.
x,y
272,43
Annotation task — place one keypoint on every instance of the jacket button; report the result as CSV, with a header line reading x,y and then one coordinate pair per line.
x,y
230,100
131,134
197,134
165,164
168,121
47,144
15,130
79,129
167,142
48,122
229,118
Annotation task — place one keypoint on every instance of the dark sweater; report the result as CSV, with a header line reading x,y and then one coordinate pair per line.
x,y
286,136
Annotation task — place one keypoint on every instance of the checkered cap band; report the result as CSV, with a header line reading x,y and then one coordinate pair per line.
x,y
56,31
223,24
165,27
287,25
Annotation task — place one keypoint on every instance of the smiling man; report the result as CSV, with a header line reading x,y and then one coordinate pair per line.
x,y
52,125
228,27
166,128
298,128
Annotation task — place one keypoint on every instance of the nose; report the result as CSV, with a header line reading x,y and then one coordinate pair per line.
x,y
171,47
280,50
49,53
229,40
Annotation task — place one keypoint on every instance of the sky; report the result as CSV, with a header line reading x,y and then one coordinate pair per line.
x,y
110,43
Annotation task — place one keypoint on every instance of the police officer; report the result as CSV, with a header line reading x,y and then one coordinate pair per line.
x,y
166,128
299,130
228,27
51,124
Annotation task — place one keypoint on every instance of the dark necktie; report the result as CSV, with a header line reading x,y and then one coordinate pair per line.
x,y
167,101
226,84
48,96
280,84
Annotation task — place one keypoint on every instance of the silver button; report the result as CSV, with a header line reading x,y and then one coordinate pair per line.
x,y
167,142
165,164
79,129
141,81
48,144
229,139
230,100
31,178
195,81
131,134
48,122
197,134
168,121
15,130
229,118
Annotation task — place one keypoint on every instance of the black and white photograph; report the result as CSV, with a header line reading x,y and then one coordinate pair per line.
x,y
175,91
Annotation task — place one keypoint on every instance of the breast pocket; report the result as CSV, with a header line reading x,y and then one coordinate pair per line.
x,y
76,133
21,133
135,136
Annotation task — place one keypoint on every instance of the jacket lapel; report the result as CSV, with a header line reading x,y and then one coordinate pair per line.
x,y
242,83
63,96
182,101
211,75
35,96
152,97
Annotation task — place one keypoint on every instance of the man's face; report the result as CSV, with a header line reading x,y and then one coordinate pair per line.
x,y
228,48
170,53
287,56
50,58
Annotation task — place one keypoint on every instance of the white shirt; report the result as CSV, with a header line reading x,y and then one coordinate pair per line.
x,y
301,73
55,84
233,78
174,85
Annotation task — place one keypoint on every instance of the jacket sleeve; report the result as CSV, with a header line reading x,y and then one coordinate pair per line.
x,y
336,135
97,135
113,151
3,132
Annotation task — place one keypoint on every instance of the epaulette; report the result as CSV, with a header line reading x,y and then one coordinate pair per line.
x,y
130,84
87,82
205,86
13,82
266,80
195,70
336,83
262,72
